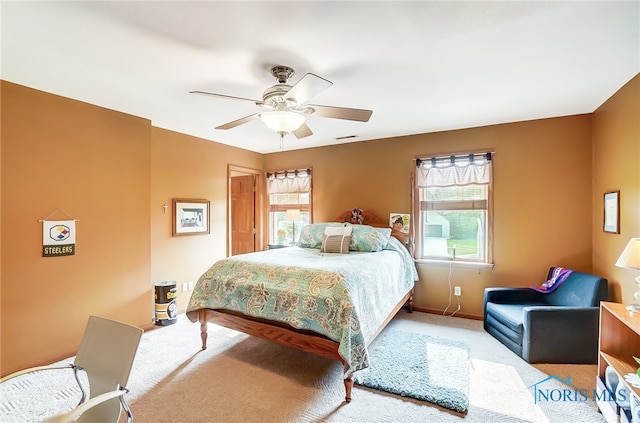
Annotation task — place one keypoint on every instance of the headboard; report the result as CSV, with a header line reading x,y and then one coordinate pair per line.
x,y
362,217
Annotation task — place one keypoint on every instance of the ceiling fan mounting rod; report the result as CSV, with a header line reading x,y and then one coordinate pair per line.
x,y
282,73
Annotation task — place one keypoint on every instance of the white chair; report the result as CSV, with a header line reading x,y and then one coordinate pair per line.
x,y
106,354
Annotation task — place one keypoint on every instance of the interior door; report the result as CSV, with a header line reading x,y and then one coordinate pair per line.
x,y
243,213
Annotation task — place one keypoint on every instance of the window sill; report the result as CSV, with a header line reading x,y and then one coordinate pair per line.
x,y
455,263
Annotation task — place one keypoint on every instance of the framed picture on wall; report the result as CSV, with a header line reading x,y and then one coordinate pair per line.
x,y
612,212
190,216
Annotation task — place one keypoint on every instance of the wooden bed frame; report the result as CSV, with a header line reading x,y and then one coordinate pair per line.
x,y
289,336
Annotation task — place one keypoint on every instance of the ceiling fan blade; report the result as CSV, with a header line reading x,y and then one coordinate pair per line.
x,y
239,122
309,86
302,131
360,115
228,97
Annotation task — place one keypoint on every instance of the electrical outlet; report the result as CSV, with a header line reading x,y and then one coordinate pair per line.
x,y
190,285
185,287
457,291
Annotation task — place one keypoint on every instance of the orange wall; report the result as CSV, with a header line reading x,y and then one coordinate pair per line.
x,y
188,167
113,172
542,197
93,163
616,150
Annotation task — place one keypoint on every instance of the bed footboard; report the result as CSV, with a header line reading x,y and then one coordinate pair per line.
x,y
272,331
303,340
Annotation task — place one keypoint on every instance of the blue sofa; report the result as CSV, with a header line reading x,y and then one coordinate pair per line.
x,y
549,327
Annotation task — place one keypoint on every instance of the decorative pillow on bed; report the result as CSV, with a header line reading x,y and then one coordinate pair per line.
x,y
336,240
312,235
369,239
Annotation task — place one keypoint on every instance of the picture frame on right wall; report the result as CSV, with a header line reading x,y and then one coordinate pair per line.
x,y
612,212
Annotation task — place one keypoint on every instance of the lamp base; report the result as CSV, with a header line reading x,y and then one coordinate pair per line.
x,y
634,308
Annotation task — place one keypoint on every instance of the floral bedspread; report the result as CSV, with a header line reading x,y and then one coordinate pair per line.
x,y
345,297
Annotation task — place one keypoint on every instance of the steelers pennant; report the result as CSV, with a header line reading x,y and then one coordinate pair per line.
x,y
58,238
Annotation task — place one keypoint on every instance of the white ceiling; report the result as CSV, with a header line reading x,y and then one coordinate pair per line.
x,y
420,66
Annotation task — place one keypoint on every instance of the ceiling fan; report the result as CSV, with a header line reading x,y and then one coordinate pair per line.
x,y
286,108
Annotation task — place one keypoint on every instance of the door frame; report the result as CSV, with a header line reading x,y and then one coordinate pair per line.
x,y
259,219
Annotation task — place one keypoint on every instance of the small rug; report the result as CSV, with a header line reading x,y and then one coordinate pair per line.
x,y
419,366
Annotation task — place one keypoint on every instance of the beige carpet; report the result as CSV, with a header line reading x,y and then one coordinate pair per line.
x,y
243,379
240,378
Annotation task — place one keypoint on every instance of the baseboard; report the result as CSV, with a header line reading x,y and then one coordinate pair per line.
x,y
458,314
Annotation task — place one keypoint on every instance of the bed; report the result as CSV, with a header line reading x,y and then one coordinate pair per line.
x,y
325,303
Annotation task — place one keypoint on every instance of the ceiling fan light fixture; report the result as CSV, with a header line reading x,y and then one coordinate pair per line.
x,y
282,121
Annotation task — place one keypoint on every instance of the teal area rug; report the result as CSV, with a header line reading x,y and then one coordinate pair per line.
x,y
419,366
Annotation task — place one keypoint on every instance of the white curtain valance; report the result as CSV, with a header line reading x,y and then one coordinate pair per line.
x,y
454,176
289,184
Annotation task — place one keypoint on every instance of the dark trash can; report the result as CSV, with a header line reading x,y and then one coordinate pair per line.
x,y
166,294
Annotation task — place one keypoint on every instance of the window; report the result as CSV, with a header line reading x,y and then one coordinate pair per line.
x,y
289,204
454,208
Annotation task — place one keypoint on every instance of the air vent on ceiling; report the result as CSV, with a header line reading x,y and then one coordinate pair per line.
x,y
345,137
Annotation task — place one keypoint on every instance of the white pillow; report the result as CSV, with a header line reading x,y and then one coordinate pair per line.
x,y
338,230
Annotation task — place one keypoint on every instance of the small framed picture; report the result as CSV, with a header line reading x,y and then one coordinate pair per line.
x,y
612,212
400,222
190,216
